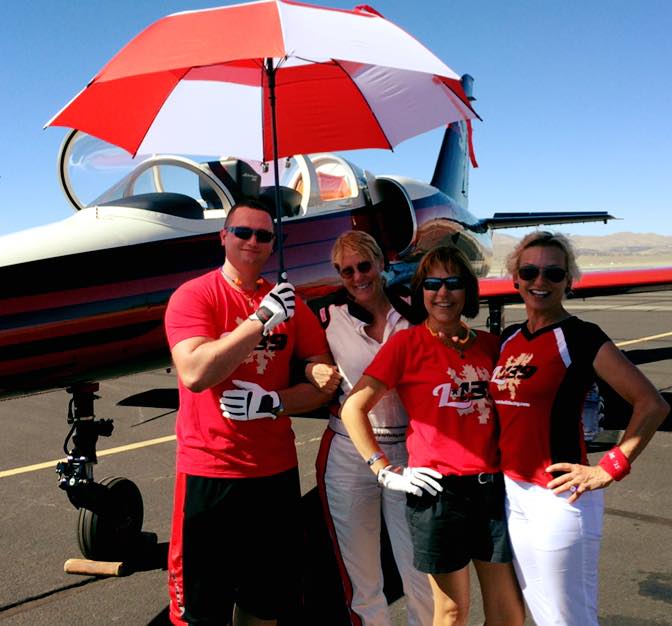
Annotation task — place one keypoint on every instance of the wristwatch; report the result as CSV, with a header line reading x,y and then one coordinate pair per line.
x,y
262,314
280,408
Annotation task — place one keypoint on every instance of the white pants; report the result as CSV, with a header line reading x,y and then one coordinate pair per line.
x,y
556,549
355,501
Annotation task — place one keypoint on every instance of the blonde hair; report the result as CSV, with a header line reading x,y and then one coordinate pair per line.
x,y
357,241
545,239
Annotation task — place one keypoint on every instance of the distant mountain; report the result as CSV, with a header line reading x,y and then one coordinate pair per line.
x,y
626,244
620,249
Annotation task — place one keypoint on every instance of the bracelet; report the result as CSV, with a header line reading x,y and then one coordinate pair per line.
x,y
615,463
377,455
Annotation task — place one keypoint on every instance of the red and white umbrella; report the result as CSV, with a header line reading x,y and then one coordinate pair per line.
x,y
211,82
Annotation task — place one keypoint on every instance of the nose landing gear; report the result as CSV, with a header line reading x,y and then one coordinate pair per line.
x,y
109,525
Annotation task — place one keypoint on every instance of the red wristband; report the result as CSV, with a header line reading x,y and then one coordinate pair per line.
x,y
615,463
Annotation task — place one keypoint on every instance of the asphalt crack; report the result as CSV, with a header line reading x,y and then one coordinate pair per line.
x,y
640,517
41,599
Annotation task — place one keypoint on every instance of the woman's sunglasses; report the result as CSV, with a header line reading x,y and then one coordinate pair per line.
x,y
451,282
245,233
363,267
553,273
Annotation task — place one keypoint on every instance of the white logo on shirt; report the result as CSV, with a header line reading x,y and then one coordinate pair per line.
x,y
468,392
265,351
509,376
445,395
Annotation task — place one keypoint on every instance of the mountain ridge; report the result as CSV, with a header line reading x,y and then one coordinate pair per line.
x,y
622,249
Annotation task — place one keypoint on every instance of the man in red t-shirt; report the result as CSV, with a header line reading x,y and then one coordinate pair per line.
x,y
232,336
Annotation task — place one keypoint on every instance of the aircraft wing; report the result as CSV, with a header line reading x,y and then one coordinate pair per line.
x,y
591,284
520,220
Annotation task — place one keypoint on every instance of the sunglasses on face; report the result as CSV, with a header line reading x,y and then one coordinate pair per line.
x,y
363,267
245,233
553,273
451,283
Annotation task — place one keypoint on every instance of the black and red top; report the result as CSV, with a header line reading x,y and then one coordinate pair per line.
x,y
539,386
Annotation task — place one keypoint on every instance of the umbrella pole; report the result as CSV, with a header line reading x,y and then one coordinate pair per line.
x,y
270,72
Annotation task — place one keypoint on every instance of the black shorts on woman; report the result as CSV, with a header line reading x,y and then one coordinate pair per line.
x,y
463,522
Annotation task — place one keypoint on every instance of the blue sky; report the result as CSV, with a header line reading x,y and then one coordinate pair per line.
x,y
575,95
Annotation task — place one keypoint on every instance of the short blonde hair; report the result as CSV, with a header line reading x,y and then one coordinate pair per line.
x,y
545,239
357,241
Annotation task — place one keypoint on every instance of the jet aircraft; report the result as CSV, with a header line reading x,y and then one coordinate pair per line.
x,y
83,299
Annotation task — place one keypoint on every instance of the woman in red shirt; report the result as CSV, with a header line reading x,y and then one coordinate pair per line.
x,y
455,502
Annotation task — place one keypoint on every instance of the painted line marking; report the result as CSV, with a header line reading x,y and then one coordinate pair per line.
x,y
52,464
620,344
117,450
631,308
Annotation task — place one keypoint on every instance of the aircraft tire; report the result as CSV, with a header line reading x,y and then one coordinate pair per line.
x,y
112,532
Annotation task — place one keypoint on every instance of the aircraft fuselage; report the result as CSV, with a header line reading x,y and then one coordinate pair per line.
x,y
98,313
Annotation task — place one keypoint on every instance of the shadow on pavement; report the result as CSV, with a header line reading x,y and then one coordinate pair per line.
x,y
153,399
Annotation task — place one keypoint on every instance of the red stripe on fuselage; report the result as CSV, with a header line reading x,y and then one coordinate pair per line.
x,y
84,295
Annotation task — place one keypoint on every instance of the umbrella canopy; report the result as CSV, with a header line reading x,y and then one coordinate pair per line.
x,y
200,82
207,82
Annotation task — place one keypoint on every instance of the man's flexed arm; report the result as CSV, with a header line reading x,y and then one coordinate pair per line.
x,y
305,397
202,362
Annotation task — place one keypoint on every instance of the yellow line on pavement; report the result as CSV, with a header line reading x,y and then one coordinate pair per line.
x,y
620,344
52,464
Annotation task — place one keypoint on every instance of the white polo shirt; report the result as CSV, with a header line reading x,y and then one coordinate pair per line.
x,y
353,350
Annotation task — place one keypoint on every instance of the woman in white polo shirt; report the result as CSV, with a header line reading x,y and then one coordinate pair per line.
x,y
360,319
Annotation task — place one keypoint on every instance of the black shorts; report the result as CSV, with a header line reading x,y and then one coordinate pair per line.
x,y
465,521
241,541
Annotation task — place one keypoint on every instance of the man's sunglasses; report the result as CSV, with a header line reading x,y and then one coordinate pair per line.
x,y
363,267
451,282
553,273
245,233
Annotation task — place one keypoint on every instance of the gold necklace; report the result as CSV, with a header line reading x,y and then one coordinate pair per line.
x,y
238,286
456,343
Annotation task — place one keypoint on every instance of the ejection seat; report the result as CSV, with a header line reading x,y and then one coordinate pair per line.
x,y
238,177
290,200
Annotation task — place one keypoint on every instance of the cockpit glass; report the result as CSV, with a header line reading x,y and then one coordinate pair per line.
x,y
158,178
334,178
94,172
90,166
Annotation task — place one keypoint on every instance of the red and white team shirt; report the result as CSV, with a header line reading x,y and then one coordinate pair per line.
x,y
209,444
539,386
452,424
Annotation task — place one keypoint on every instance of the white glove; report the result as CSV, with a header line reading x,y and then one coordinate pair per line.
x,y
410,479
249,402
276,306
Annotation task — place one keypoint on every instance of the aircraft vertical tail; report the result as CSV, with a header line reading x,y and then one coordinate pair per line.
x,y
451,174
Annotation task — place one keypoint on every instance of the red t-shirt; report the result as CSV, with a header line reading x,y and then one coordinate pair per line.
x,y
209,444
539,386
452,425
